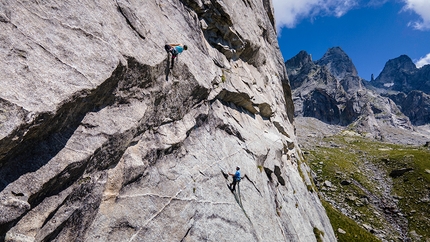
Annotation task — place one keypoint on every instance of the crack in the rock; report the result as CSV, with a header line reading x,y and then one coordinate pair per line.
x,y
280,129
155,215
124,13
277,172
84,32
253,183
229,129
268,173
174,198
235,119
186,234
59,60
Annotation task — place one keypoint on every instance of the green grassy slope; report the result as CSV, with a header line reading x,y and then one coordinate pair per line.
x,y
371,197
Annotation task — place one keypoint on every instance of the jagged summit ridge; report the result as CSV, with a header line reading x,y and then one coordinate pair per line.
x,y
331,91
408,86
401,74
395,73
338,62
300,60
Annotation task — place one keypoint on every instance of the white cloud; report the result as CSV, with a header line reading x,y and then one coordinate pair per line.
x,y
423,61
422,8
376,3
289,12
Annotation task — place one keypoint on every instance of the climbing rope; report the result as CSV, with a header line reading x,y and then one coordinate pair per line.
x,y
240,197
239,201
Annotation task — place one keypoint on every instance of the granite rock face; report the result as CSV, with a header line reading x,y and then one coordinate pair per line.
x,y
101,141
331,91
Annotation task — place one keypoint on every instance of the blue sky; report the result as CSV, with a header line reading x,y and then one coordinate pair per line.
x,y
370,31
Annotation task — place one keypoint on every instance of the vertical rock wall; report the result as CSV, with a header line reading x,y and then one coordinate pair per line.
x,y
101,141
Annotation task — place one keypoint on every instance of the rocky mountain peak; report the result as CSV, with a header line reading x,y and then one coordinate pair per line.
x,y
338,62
299,60
402,63
332,92
398,74
408,86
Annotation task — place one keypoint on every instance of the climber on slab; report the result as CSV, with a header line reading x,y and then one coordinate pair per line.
x,y
236,178
175,50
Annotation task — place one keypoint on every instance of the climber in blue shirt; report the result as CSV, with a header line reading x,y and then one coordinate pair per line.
x,y
175,50
236,179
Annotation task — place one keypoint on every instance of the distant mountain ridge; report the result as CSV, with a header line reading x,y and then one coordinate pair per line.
x,y
408,86
401,74
330,90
